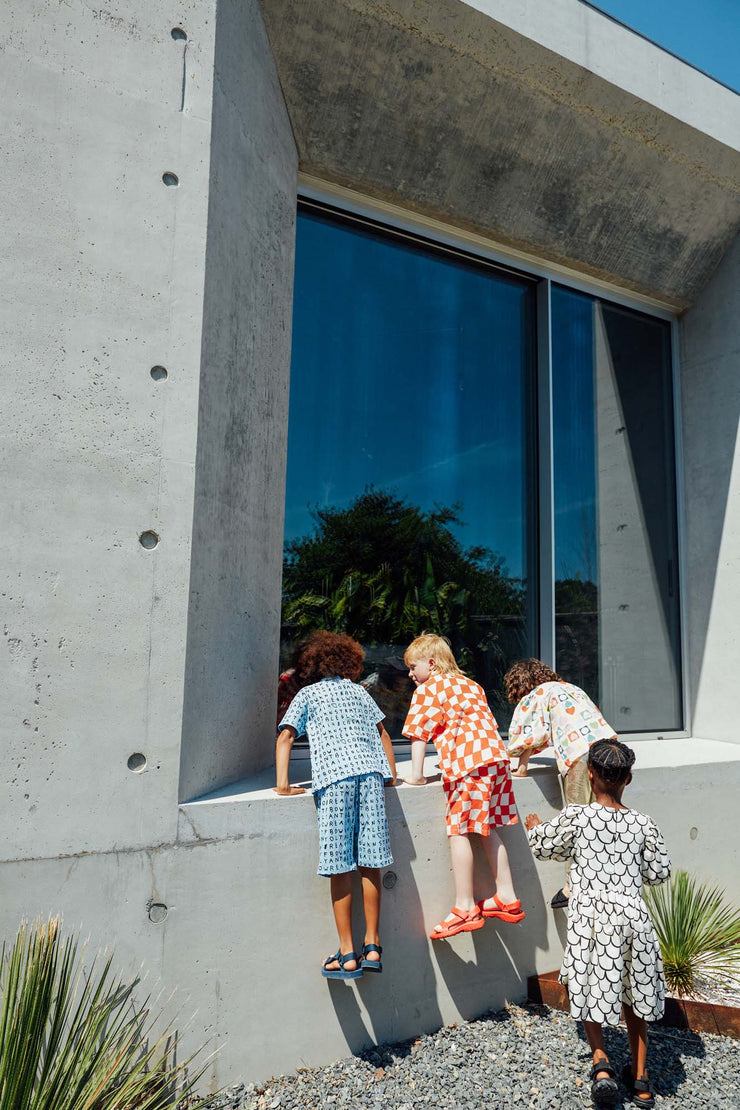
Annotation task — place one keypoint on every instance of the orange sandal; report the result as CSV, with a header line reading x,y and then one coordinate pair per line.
x,y
467,922
505,912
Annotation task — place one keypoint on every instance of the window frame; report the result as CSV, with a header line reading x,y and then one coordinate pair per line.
x,y
391,220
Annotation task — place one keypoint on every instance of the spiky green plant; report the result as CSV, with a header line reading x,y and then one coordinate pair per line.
x,y
72,1036
699,934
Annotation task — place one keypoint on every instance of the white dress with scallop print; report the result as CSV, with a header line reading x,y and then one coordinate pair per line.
x,y
612,954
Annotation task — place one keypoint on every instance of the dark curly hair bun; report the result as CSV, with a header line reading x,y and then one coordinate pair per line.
x,y
611,760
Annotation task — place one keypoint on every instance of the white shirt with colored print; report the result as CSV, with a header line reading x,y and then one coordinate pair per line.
x,y
561,716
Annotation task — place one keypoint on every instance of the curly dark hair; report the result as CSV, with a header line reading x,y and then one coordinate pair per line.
x,y
611,760
524,676
328,655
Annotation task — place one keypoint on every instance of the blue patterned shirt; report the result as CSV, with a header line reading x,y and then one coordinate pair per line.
x,y
341,722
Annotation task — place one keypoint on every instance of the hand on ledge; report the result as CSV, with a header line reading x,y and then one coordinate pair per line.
x,y
390,782
290,791
531,820
415,782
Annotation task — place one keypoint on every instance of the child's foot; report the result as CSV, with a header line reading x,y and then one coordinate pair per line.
x,y
639,1089
458,921
415,782
341,966
505,911
520,773
604,1089
371,954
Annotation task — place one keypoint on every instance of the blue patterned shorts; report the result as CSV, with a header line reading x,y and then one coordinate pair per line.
x,y
353,828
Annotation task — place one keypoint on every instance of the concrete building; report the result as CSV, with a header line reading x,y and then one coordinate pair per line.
x,y
154,154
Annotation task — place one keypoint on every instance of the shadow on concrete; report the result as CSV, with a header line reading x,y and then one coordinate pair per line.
x,y
427,984
401,1002
503,953
710,388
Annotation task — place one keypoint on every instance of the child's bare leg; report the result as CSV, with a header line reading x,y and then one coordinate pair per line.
x,y
637,1031
461,851
521,770
341,901
371,890
498,861
595,1037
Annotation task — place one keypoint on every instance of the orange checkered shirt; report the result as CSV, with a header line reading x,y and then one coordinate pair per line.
x,y
451,710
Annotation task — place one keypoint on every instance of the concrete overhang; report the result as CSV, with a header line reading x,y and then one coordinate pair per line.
x,y
584,157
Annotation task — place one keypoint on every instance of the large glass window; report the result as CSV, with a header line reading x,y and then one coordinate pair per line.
x,y
412,489
616,550
410,493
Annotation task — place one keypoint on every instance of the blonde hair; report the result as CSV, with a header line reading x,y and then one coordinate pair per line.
x,y
429,646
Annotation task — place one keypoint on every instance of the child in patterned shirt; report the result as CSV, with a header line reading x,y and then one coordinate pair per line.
x,y
351,756
551,712
451,710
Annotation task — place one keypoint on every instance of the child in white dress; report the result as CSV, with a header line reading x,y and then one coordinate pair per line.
x,y
612,955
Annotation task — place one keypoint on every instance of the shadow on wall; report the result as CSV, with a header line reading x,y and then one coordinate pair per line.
x,y
710,384
479,971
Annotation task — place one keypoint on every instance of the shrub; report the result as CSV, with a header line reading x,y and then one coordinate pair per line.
x,y
699,934
74,1039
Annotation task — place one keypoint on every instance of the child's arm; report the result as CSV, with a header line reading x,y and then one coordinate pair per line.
x,y
418,750
282,763
389,753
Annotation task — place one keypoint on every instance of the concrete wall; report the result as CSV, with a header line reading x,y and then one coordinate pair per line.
x,y
247,921
104,267
234,621
710,382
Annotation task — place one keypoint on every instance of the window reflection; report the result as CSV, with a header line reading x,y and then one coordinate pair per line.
x,y
616,593
410,499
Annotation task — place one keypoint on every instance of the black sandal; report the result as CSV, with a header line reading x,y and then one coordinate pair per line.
x,y
637,1087
604,1091
559,901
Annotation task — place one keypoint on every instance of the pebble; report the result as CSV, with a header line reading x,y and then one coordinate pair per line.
x,y
526,1057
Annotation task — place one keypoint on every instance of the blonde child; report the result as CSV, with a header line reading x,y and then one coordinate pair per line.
x,y
612,956
451,710
351,756
551,712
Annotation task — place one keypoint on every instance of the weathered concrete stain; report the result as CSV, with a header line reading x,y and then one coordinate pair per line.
x,y
442,110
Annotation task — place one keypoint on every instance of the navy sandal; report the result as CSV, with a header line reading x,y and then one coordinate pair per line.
x,y
371,965
637,1087
604,1091
339,972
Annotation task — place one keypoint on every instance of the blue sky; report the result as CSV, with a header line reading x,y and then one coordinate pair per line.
x,y
703,32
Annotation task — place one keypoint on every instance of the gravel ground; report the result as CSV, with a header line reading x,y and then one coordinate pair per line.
x,y
529,1057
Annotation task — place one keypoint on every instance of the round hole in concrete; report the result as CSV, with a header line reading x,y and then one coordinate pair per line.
x,y
149,540
157,912
136,762
390,879
693,832
178,34
159,373
170,178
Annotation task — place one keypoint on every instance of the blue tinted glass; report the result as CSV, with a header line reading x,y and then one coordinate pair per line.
x,y
409,490
616,548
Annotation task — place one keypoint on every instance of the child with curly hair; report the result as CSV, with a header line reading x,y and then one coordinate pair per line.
x,y
551,712
612,956
451,710
351,756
